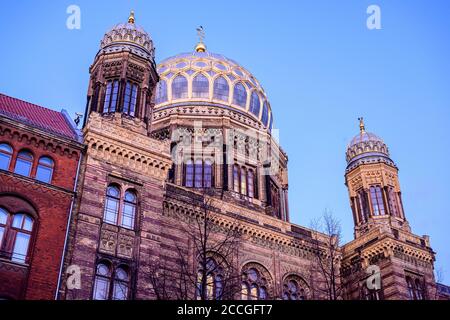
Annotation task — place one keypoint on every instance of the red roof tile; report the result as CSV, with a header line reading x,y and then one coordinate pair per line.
x,y
34,115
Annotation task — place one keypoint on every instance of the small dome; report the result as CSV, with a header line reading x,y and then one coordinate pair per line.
x,y
128,37
205,77
366,148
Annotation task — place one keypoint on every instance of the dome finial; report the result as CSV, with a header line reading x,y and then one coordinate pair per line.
x,y
200,47
362,127
131,17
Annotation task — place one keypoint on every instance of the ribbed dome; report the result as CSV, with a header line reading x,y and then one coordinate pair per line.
x,y
366,147
205,77
128,37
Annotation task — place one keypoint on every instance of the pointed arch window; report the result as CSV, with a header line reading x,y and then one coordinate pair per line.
x,y
111,96
161,91
240,95
130,98
265,114
44,170
24,163
213,284
6,152
221,89
254,285
376,196
200,87
179,88
255,104
110,283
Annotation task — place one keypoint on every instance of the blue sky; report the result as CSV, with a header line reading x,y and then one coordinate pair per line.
x,y
319,64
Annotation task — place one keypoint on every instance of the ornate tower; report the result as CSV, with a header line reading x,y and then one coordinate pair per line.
x,y
372,180
384,243
123,76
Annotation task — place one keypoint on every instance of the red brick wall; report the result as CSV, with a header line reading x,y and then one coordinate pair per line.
x,y
51,202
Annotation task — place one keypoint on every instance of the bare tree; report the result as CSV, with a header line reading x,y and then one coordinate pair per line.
x,y
205,266
325,267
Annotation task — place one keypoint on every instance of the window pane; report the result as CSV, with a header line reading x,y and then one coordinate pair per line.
x,y
198,173
20,247
2,231
133,100
113,191
46,161
250,184
111,210
101,288
240,95
221,89
244,292
5,156
254,104
189,174
128,215
236,178
114,96
130,197
265,114
200,87
103,269
17,221
28,224
120,291
179,88
23,167
44,174
208,174
243,181
107,97
161,92
3,216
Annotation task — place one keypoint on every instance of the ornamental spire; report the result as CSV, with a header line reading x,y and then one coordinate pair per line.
x,y
362,127
200,47
131,17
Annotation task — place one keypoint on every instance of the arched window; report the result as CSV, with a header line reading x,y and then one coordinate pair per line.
x,y
110,284
255,104
161,92
221,89
265,114
376,195
362,206
207,170
411,289
120,285
129,210
21,229
200,87
213,284
294,288
130,98
254,284
102,281
189,170
240,95
5,156
24,163
236,178
243,181
179,88
198,180
111,96
251,183
112,204
44,170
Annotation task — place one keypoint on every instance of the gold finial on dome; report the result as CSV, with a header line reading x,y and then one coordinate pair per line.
x,y
131,17
200,47
362,127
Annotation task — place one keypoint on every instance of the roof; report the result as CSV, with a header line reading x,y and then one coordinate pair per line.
x,y
52,121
